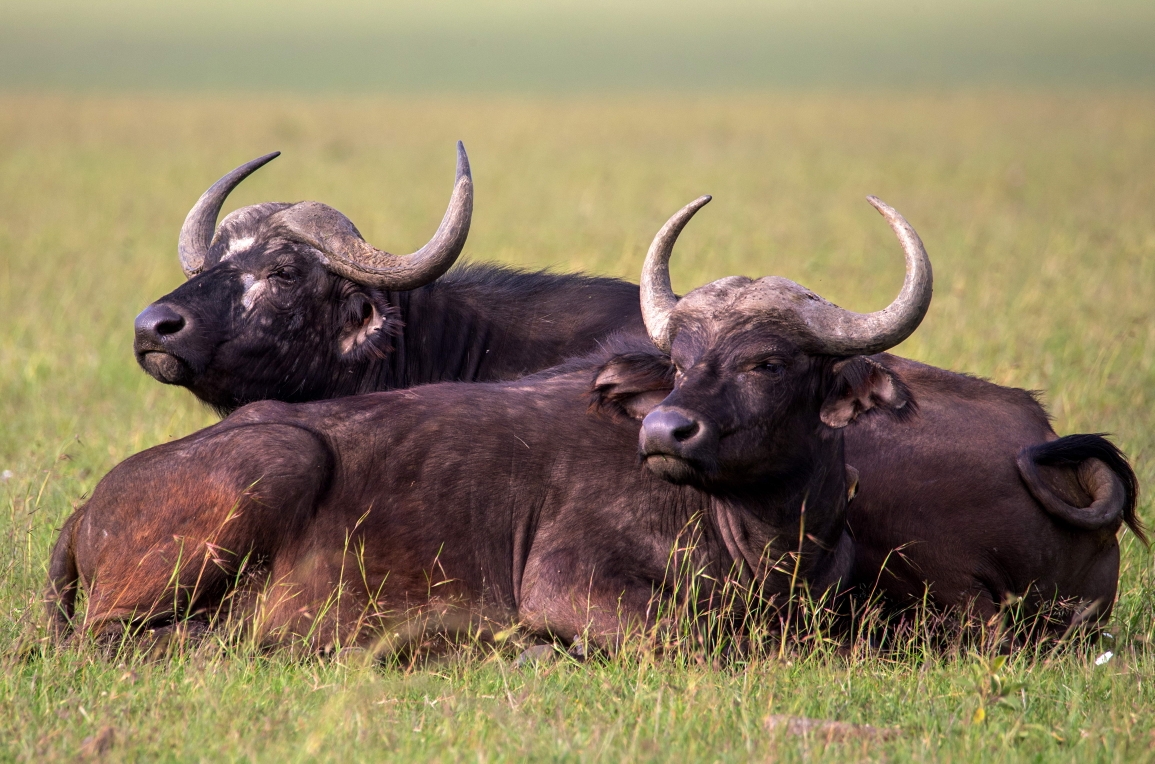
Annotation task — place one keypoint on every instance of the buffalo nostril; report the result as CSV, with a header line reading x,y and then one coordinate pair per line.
x,y
170,326
158,322
665,429
685,431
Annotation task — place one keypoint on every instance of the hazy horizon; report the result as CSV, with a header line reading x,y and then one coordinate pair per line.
x,y
566,47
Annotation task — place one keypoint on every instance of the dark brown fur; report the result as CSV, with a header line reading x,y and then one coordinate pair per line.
x,y
967,494
452,505
941,486
944,505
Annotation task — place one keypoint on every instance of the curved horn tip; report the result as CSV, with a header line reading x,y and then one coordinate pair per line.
x,y
463,162
260,162
680,218
893,216
883,208
683,216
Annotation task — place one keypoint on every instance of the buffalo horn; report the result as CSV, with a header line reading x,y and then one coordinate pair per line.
x,y
196,235
833,330
349,255
657,294
844,332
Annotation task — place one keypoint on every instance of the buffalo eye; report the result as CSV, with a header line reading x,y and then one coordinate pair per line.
x,y
773,367
284,274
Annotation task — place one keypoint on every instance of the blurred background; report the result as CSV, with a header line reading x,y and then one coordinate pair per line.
x,y
572,46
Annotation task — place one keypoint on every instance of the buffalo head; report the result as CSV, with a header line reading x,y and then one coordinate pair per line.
x,y
764,370
281,298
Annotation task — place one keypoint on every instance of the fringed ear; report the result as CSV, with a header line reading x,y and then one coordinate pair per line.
x,y
861,384
631,384
366,325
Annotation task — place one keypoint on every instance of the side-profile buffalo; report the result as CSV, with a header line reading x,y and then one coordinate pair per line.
x,y
289,302
480,505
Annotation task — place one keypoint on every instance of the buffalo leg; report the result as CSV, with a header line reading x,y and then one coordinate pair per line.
x,y
168,531
567,596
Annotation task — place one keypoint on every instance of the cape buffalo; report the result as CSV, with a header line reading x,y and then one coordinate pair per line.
x,y
971,497
288,302
977,497
480,505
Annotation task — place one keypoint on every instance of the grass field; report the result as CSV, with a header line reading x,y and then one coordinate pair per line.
x,y
1037,211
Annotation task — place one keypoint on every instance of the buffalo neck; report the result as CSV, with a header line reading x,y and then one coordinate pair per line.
x,y
483,323
764,525
442,339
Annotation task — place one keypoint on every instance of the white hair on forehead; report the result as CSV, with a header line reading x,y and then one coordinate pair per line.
x,y
237,246
241,228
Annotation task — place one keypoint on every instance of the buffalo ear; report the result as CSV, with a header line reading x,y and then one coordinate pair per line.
x,y
631,384
852,476
862,384
362,322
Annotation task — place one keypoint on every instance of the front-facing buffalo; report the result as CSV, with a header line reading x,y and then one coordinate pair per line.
x,y
479,505
289,302
968,499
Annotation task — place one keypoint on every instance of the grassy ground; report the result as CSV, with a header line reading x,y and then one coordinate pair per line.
x,y
1036,210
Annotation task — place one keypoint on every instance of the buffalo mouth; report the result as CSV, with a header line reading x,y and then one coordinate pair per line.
x,y
164,367
671,468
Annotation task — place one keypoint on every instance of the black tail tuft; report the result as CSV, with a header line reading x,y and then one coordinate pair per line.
x,y
1072,450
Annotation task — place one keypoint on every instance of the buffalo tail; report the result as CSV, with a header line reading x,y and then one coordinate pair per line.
x,y
63,576
1101,469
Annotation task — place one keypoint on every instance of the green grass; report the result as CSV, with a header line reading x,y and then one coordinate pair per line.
x,y
1037,213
